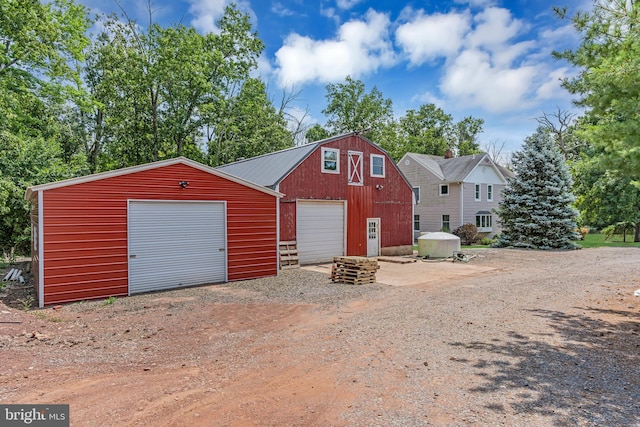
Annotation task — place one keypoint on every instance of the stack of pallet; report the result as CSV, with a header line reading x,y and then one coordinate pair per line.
x,y
289,255
354,270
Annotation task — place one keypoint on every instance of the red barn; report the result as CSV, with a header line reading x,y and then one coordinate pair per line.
x,y
342,196
157,226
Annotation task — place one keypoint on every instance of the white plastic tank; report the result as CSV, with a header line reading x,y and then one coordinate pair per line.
x,y
438,245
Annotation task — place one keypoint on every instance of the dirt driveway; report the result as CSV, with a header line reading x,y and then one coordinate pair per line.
x,y
511,338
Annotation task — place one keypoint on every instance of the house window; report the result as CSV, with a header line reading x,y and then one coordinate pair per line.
x,y
377,166
416,222
484,221
444,189
478,196
446,223
489,193
416,192
330,160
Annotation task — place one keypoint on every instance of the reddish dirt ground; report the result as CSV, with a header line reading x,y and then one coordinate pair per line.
x,y
168,359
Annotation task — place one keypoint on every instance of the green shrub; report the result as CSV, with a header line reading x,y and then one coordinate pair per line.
x,y
487,241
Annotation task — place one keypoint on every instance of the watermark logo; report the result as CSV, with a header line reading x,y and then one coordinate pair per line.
x,y
34,415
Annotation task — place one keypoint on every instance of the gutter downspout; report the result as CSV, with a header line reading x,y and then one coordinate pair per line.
x,y
461,204
278,231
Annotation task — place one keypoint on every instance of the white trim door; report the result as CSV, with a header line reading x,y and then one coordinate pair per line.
x,y
176,243
373,236
320,230
355,168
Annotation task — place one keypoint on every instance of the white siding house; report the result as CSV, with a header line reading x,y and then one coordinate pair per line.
x,y
452,191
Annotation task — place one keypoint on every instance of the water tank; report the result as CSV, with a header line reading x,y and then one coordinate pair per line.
x,y
438,245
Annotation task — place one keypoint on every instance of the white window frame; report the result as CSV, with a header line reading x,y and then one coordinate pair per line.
x,y
444,186
489,192
322,160
358,172
417,194
484,222
374,175
478,192
448,222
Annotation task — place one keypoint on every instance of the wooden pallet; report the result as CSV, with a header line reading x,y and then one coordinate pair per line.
x,y
354,270
289,255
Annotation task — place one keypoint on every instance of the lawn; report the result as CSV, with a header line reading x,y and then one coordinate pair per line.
x,y
597,240
594,240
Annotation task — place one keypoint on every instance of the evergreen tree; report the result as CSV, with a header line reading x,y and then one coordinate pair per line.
x,y
535,211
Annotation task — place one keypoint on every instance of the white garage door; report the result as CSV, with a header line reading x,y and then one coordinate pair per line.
x,y
320,231
174,244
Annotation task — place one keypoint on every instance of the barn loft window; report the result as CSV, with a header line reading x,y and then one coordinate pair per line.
x,y
330,160
377,166
444,189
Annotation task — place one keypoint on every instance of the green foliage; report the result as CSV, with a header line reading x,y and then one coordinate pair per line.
x,y
607,84
350,108
109,301
619,228
316,133
487,241
535,210
468,234
603,197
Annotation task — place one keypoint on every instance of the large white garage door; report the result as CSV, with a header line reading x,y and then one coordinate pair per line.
x,y
320,231
174,244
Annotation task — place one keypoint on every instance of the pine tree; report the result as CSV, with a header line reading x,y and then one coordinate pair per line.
x,y
535,211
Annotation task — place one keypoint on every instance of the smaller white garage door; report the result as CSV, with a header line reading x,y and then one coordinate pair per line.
x,y
320,231
175,244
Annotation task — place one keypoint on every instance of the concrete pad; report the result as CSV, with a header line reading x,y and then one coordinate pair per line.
x,y
415,273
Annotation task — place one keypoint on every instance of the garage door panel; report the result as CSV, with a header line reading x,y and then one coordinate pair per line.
x,y
320,231
174,244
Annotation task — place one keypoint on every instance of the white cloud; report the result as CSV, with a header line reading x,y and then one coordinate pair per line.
x,y
360,47
473,81
422,38
347,4
281,10
494,27
207,12
553,84
477,3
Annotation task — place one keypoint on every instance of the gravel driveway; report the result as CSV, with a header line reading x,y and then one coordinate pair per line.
x,y
534,338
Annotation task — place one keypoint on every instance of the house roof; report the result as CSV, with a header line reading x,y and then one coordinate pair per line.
x,y
270,169
139,168
456,169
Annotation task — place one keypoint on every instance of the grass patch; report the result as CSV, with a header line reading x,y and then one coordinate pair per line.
x,y
597,240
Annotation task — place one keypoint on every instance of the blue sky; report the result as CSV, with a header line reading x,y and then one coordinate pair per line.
x,y
490,59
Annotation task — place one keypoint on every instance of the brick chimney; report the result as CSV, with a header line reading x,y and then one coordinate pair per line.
x,y
448,154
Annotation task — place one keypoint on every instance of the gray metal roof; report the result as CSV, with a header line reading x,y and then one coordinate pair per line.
x,y
267,170
456,169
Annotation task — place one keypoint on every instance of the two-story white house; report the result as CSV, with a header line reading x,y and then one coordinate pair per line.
x,y
452,191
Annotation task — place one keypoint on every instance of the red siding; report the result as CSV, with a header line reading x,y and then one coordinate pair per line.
x,y
392,203
85,229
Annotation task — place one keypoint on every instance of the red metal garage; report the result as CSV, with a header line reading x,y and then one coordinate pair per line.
x,y
157,226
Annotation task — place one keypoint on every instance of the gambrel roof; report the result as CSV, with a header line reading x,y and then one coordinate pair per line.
x,y
457,169
270,169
